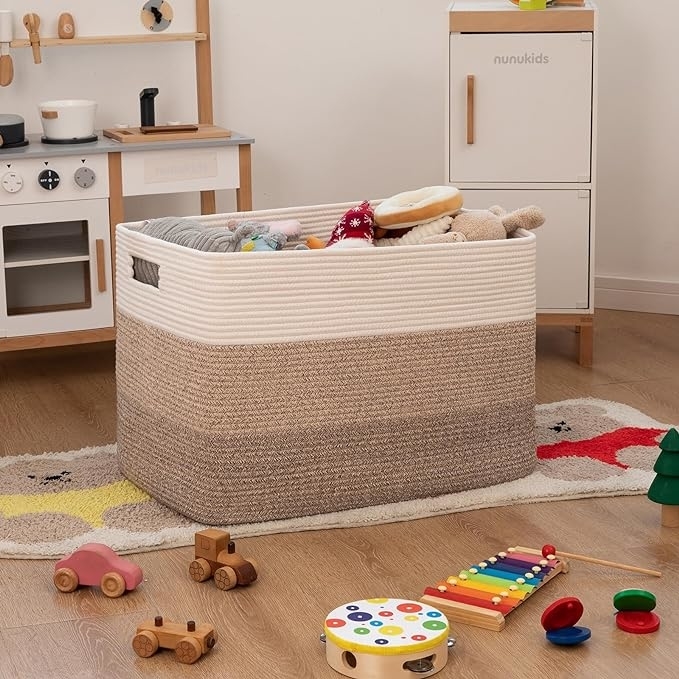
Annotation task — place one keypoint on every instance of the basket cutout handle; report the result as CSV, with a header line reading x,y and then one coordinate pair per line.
x,y
145,272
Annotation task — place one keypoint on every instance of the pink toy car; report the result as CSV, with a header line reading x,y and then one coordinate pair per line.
x,y
96,564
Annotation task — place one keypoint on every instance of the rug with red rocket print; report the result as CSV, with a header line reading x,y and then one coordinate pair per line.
x,y
52,503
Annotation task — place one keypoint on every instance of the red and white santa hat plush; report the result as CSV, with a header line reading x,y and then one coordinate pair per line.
x,y
356,229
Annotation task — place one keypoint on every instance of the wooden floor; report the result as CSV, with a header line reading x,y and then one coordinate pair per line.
x,y
65,399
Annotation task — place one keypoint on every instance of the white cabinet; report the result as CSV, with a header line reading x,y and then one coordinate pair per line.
x,y
563,243
531,99
521,130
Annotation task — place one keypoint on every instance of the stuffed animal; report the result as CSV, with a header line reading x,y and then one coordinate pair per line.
x,y
492,224
265,242
417,234
356,229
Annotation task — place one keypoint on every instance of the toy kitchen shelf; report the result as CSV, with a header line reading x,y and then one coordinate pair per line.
x,y
60,205
113,39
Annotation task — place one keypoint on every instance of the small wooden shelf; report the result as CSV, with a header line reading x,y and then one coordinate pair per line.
x,y
43,251
48,308
114,39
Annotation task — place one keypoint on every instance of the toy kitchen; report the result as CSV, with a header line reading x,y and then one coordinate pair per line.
x,y
62,191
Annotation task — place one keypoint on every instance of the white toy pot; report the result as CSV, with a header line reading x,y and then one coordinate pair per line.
x,y
64,119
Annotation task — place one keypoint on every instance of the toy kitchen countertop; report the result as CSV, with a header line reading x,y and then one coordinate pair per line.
x,y
37,149
159,166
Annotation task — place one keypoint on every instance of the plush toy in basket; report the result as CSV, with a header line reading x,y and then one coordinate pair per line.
x,y
432,214
492,224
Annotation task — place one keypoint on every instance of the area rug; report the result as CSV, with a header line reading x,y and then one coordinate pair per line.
x,y
52,503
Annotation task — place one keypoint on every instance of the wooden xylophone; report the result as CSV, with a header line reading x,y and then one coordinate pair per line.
x,y
484,594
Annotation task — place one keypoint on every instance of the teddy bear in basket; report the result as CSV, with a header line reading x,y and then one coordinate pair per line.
x,y
433,214
491,224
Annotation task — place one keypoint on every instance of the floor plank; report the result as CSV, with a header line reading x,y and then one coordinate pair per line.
x,y
270,630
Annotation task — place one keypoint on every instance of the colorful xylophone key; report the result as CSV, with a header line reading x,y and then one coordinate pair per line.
x,y
485,593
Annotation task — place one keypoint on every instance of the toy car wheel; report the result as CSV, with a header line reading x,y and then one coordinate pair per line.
x,y
113,585
225,578
200,570
255,565
145,644
188,650
66,579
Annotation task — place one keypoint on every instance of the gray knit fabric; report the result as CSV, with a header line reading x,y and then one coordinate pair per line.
x,y
192,234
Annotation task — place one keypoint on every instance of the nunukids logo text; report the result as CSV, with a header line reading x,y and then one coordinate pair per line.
x,y
526,58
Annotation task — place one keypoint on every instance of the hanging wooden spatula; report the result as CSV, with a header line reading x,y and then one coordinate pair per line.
x,y
32,23
6,65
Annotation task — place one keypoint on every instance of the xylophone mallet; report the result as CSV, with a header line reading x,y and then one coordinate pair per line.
x,y
550,550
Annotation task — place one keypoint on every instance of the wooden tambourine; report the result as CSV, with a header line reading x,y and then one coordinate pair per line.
x,y
386,639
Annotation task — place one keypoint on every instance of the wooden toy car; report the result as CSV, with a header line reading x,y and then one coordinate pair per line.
x,y
96,564
215,555
188,641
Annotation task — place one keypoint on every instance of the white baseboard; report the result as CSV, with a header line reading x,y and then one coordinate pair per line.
x,y
629,294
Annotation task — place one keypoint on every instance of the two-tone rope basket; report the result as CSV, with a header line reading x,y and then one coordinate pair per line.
x,y
255,386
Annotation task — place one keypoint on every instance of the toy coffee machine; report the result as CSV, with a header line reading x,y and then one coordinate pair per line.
x,y
147,107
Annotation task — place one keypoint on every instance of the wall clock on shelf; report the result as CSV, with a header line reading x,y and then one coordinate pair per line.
x,y
156,15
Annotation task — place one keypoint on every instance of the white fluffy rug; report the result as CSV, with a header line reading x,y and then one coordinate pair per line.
x,y
52,503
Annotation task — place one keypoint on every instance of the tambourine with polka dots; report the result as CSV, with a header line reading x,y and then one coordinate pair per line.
x,y
386,638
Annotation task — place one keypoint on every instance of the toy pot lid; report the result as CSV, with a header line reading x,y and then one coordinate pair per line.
x,y
11,131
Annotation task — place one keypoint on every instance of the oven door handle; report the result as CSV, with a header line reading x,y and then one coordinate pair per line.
x,y
101,264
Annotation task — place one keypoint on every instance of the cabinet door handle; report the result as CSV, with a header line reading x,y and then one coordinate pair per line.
x,y
470,109
101,265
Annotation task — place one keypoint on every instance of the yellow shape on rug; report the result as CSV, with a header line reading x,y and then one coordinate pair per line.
x,y
88,505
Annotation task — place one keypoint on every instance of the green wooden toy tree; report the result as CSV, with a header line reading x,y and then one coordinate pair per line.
x,y
665,487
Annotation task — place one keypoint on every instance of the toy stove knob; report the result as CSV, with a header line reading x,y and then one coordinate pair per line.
x,y
12,182
49,180
84,177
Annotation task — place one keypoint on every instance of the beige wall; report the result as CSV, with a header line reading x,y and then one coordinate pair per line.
x,y
638,224
346,100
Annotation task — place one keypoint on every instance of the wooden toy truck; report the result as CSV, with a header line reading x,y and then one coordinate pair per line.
x,y
188,641
216,556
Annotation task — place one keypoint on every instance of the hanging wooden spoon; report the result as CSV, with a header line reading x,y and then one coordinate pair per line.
x,y
32,24
6,65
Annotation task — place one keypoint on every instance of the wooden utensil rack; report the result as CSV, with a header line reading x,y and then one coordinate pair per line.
x,y
113,39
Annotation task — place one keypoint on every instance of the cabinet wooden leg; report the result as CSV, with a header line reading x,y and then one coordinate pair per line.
x,y
586,345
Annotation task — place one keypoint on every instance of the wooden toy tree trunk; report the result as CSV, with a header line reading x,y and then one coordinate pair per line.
x,y
669,516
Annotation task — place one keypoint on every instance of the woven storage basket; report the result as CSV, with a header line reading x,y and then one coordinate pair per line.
x,y
261,386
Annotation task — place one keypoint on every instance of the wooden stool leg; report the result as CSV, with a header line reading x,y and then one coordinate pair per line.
x,y
586,345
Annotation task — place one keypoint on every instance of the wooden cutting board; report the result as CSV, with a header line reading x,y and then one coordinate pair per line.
x,y
134,135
